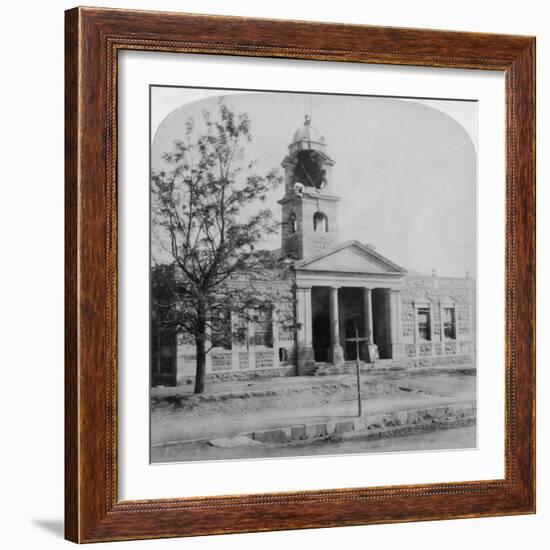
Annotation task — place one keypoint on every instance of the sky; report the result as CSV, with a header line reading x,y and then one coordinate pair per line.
x,y
405,170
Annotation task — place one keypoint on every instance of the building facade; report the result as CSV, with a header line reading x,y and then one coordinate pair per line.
x,y
345,298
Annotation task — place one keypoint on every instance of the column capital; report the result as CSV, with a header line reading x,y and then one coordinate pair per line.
x,y
368,288
335,287
303,287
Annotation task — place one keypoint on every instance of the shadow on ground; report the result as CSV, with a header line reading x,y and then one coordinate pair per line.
x,y
55,527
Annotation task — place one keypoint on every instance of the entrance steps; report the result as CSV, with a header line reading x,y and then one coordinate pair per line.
x,y
324,369
388,365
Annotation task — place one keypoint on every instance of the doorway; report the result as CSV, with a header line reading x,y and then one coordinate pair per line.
x,y
320,323
352,319
380,318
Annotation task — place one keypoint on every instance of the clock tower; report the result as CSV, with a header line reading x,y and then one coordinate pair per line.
x,y
309,206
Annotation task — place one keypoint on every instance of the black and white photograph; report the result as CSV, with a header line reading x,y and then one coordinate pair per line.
x,y
276,276
313,266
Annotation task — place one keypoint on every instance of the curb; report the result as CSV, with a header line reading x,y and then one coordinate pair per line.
x,y
374,421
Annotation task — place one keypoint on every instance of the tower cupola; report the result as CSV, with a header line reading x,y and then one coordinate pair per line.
x,y
309,210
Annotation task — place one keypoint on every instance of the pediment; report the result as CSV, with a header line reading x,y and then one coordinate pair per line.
x,y
351,257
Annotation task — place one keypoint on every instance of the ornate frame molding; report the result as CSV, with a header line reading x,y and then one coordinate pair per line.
x,y
93,38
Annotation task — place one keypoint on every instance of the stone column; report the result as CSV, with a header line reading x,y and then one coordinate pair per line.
x,y
304,333
399,320
441,328
336,353
395,323
372,348
367,311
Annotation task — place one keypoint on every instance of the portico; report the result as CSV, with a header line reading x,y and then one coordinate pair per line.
x,y
347,288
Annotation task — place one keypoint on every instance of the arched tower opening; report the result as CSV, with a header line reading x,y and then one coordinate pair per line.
x,y
309,205
320,222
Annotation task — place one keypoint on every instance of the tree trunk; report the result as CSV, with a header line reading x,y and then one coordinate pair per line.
x,y
201,363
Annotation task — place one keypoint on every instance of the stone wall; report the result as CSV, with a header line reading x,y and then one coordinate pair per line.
x,y
315,242
436,293
245,359
292,236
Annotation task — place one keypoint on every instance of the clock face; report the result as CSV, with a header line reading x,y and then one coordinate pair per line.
x,y
309,170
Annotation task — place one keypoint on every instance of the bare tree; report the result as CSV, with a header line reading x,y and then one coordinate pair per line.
x,y
202,219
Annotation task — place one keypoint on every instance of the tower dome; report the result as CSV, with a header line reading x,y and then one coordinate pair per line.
x,y
307,132
307,137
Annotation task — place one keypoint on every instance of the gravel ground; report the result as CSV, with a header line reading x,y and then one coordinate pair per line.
x,y
184,417
296,392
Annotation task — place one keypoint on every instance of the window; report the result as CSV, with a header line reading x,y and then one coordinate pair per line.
x,y
220,331
449,325
424,332
320,222
263,328
283,355
292,223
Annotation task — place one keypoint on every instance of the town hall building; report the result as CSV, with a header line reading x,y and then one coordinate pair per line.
x,y
344,297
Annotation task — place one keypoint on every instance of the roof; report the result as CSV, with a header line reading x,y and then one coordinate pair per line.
x,y
351,257
308,133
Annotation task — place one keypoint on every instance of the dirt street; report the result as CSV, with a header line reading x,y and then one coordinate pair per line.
x,y
234,408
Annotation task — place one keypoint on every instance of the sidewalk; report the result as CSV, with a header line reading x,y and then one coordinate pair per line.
x,y
174,428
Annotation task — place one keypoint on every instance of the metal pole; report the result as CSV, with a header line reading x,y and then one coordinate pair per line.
x,y
359,399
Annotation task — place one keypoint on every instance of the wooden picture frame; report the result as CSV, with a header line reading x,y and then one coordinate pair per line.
x,y
93,511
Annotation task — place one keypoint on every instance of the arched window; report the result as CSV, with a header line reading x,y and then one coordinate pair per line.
x,y
292,223
320,222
